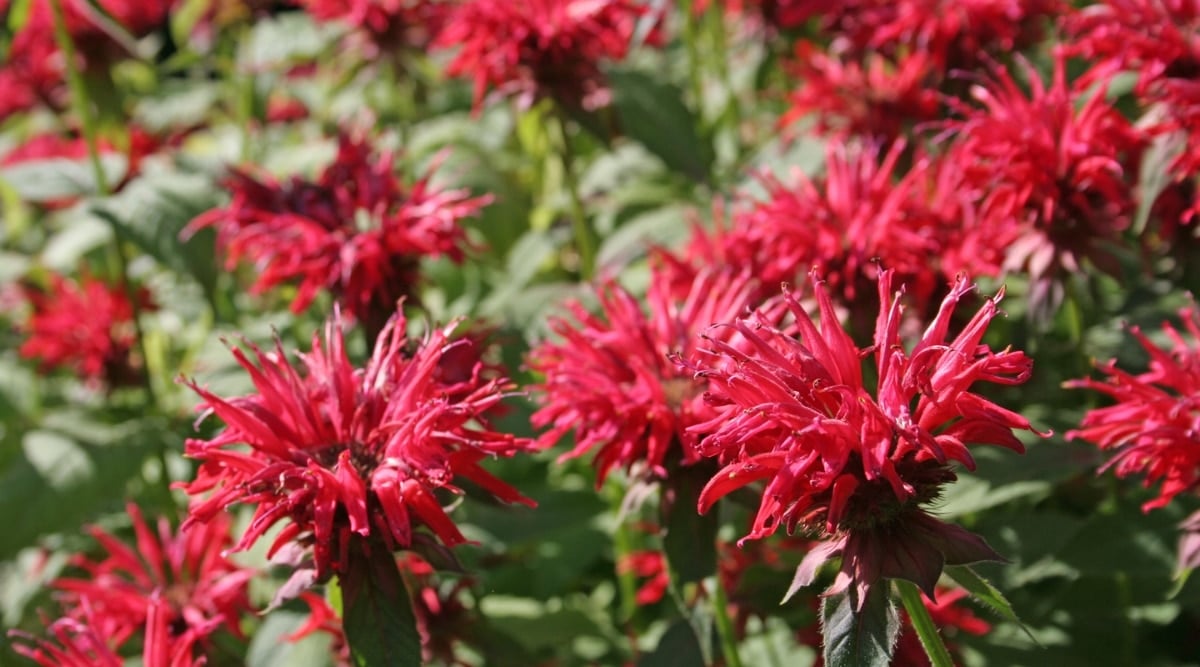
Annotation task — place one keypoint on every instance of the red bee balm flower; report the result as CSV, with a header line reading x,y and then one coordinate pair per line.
x,y
1154,426
610,379
851,465
540,48
351,455
198,590
1055,169
97,347
357,231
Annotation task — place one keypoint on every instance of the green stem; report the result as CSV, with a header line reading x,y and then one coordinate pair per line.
x,y
87,122
923,623
79,96
585,242
622,547
720,608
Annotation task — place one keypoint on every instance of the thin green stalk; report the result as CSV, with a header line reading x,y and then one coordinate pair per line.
x,y
87,122
585,242
79,96
720,608
622,547
923,623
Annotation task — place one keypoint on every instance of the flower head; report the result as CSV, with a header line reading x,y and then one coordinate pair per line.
x,y
357,231
350,458
1053,167
610,378
97,348
848,463
860,216
196,589
1153,428
540,48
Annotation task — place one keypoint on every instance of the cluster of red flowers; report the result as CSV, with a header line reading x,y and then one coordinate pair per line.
x,y
175,588
357,231
97,348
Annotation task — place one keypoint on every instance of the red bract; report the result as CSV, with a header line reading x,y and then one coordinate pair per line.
x,y
196,589
1055,173
357,231
651,566
97,348
879,98
851,464
540,48
1152,428
78,643
611,381
350,459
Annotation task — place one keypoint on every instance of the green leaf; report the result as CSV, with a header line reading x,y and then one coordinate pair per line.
x,y
60,480
285,38
690,542
380,625
269,645
677,648
59,178
1154,175
153,210
987,594
653,113
863,638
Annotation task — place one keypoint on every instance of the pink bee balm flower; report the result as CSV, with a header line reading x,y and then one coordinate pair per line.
x,y
357,231
610,378
1153,428
540,48
97,348
196,589
848,463
350,458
